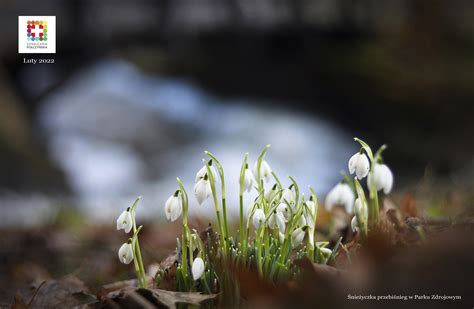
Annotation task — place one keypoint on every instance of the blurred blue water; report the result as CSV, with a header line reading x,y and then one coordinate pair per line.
x,y
119,133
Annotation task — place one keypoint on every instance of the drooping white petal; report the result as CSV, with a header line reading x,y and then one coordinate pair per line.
x,y
388,179
200,174
197,268
382,178
168,210
297,237
124,221
265,170
203,171
342,195
248,180
202,190
289,196
359,163
173,207
258,218
354,224
351,163
277,220
284,210
125,253
301,221
270,194
311,207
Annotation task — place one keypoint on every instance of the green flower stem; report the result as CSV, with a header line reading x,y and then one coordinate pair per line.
x,y
137,268
142,277
186,232
245,248
241,230
243,239
314,199
374,203
258,244
218,214
224,207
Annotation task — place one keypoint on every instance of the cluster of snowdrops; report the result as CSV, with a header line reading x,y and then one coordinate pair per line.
x,y
279,226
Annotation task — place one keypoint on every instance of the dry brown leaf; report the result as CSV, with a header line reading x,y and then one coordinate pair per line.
x,y
150,298
63,293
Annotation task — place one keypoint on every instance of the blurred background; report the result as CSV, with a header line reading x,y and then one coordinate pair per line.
x,y
140,89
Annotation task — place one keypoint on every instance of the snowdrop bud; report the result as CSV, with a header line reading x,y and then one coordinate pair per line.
x,y
125,253
359,163
284,210
326,251
202,189
265,170
277,220
288,195
248,180
270,194
341,194
173,207
297,236
258,218
383,178
198,268
354,224
362,209
124,221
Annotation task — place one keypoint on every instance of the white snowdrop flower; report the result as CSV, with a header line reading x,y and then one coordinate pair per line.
x,y
202,189
124,221
173,207
248,180
362,209
354,224
125,253
341,194
265,170
258,218
301,221
326,251
288,195
284,210
297,236
277,220
198,268
203,171
359,163
383,178
270,194
310,207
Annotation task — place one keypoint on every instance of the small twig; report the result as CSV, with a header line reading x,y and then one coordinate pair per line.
x,y
36,292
